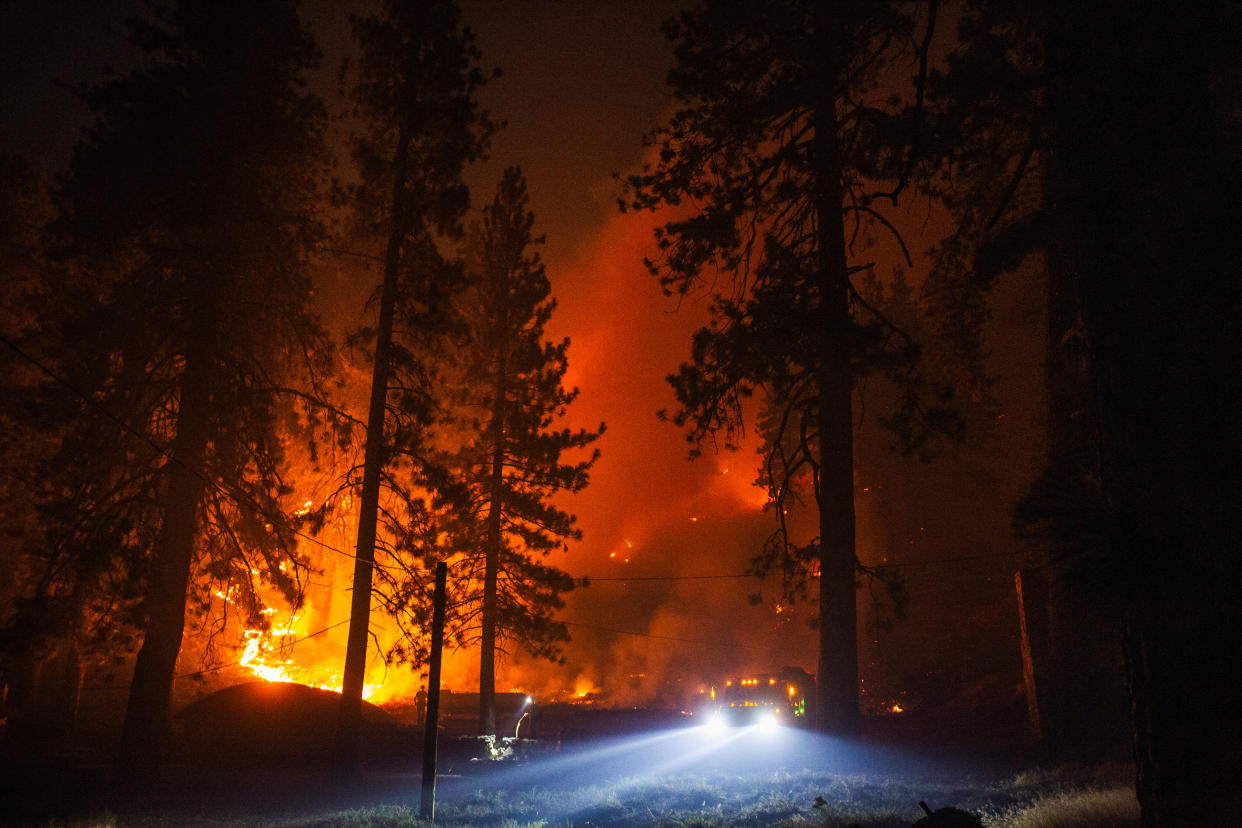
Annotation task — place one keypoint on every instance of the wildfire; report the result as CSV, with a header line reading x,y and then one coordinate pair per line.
x,y
585,687
268,654
305,644
254,658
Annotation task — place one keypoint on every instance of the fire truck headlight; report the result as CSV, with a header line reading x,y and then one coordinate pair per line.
x,y
768,720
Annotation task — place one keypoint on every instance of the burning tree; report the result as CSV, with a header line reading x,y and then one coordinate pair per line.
x,y
176,327
414,91
514,385
779,149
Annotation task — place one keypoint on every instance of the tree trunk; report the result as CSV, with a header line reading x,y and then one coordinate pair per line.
x,y
837,710
349,725
150,693
491,571
491,566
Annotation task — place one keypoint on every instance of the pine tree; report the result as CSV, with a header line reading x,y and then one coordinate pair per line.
x,y
776,158
181,318
415,93
999,179
515,466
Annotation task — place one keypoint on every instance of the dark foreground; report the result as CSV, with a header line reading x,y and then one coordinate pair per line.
x,y
651,771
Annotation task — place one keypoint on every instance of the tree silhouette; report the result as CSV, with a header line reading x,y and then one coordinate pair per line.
x,y
415,94
1004,189
772,159
1147,142
41,616
515,466
180,315
1115,158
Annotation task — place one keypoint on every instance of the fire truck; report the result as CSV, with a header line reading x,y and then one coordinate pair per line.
x,y
762,699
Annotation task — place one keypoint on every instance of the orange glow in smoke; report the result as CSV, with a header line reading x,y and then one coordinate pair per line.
x,y
636,502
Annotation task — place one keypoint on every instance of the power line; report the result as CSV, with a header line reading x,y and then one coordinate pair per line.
x,y
241,499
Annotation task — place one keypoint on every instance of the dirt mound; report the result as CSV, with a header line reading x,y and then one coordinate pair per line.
x,y
265,722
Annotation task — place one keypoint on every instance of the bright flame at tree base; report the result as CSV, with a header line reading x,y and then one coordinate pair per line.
x,y
263,656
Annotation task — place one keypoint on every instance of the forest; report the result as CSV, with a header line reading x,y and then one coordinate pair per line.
x,y
938,298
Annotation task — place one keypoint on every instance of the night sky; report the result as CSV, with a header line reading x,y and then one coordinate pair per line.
x,y
581,83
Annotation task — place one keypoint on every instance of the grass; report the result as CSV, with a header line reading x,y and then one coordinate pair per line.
x,y
1043,797
1069,796
1072,809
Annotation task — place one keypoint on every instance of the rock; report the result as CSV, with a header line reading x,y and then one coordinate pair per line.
x,y
947,818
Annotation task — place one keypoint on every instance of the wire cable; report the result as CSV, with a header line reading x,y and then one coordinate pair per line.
x,y
242,500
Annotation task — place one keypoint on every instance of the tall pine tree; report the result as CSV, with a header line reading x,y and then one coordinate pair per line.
x,y
182,316
775,158
415,93
516,466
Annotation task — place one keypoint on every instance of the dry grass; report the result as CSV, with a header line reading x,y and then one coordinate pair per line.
x,y
1089,808
1069,796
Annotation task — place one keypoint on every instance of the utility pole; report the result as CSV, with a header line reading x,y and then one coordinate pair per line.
x,y
427,808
